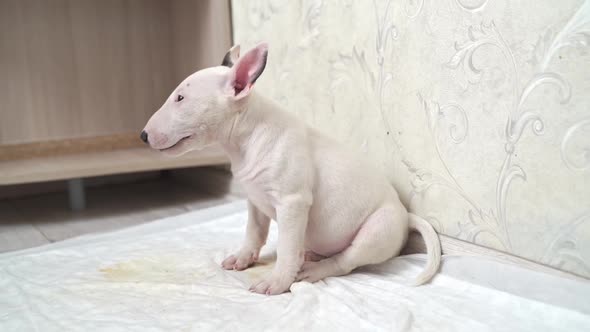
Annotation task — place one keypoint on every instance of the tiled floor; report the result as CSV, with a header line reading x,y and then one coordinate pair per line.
x,y
36,220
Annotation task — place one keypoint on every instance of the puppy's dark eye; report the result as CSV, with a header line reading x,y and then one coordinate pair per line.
x,y
179,98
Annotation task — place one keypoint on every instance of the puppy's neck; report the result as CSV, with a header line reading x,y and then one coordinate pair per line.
x,y
245,126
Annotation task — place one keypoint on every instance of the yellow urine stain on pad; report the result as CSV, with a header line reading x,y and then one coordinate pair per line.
x,y
157,270
260,269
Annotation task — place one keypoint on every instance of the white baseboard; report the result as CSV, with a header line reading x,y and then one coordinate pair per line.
x,y
452,246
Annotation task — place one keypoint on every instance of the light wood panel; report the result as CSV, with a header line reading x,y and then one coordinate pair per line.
x,y
81,68
36,69
202,42
124,69
78,68
101,163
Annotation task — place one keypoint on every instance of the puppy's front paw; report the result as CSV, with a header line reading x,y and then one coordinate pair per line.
x,y
241,260
273,284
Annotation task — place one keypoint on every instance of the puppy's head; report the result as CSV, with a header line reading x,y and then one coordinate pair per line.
x,y
200,107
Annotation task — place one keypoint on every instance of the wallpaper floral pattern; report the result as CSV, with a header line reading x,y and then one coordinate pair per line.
x,y
478,110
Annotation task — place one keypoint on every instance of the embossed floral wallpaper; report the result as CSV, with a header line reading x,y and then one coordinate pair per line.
x,y
478,110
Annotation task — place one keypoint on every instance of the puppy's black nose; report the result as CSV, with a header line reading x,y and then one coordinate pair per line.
x,y
143,136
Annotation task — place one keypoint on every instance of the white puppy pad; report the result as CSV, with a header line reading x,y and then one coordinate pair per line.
x,y
166,276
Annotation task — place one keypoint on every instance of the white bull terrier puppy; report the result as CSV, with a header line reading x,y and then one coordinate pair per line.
x,y
334,211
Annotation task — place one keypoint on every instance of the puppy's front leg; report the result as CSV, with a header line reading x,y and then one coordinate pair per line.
x,y
256,234
292,216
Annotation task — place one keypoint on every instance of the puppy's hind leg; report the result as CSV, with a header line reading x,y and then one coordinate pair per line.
x,y
381,237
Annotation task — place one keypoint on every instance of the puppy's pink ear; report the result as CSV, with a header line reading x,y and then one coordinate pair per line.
x,y
247,69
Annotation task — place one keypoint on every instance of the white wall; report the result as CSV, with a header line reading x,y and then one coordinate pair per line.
x,y
478,110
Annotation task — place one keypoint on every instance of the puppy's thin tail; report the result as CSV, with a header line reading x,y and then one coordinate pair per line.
x,y
433,249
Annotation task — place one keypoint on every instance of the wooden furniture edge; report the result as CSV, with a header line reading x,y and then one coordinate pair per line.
x,y
69,146
82,165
